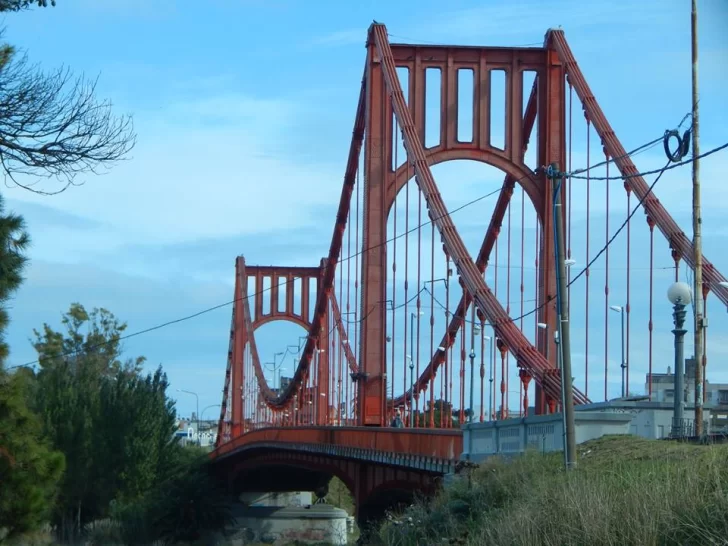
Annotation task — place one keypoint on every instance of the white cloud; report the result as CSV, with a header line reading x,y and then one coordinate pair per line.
x,y
214,176
208,168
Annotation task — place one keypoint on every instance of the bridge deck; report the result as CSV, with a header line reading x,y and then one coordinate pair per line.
x,y
429,449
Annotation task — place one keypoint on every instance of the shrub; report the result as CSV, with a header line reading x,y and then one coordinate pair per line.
x,y
625,491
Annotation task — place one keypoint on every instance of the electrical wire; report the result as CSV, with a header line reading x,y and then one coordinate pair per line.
x,y
655,171
264,290
619,230
639,149
413,229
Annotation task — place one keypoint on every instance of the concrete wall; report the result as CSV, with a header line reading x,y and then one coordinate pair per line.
x,y
317,524
545,432
541,432
293,498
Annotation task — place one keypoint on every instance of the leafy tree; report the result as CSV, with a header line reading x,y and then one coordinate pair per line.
x,y
189,504
114,424
441,408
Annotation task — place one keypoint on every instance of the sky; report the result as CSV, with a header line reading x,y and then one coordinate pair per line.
x,y
243,112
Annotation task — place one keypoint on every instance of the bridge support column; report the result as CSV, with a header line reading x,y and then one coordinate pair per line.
x,y
322,394
551,148
238,350
377,173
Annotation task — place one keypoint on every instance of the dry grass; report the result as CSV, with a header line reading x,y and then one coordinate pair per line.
x,y
625,491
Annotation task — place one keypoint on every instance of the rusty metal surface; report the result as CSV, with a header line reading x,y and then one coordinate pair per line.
x,y
436,444
652,206
526,354
481,261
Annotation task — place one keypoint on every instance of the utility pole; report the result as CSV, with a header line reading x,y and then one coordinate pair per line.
x,y
563,313
697,237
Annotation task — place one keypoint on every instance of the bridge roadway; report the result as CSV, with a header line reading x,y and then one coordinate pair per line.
x,y
381,466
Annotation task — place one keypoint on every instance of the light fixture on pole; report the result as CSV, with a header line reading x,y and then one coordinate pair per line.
x,y
680,296
197,413
544,326
412,392
724,284
472,368
625,388
491,367
208,407
416,315
276,383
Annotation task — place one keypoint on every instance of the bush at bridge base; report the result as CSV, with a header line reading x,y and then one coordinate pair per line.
x,y
625,491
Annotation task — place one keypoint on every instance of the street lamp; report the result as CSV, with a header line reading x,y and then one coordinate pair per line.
x,y
723,284
417,315
491,368
680,296
208,407
412,391
620,309
472,371
276,368
544,326
197,413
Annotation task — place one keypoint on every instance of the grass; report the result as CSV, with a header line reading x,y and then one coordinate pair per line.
x,y
625,491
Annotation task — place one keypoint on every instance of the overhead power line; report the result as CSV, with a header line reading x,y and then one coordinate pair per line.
x,y
412,230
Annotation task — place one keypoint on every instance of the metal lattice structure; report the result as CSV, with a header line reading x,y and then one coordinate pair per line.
x,y
362,337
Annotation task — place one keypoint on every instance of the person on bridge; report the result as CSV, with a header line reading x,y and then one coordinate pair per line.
x,y
397,421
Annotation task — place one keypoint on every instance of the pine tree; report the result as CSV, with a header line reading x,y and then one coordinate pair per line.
x,y
29,469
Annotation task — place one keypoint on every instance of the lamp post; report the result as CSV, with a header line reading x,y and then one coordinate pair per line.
x,y
625,388
472,371
197,412
486,348
412,392
723,284
680,296
417,315
491,373
544,326
276,368
210,406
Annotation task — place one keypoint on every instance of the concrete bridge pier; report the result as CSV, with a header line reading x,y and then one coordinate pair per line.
x,y
281,518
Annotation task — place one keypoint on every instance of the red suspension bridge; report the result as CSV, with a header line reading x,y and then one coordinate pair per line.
x,y
400,315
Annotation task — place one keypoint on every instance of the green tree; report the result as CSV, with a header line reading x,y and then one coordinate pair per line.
x,y
14,241
441,410
113,423
29,469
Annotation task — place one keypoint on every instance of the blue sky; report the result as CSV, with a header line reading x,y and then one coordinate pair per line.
x,y
241,95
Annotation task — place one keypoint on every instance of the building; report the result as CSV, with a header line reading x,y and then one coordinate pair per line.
x,y
716,394
189,435
285,381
